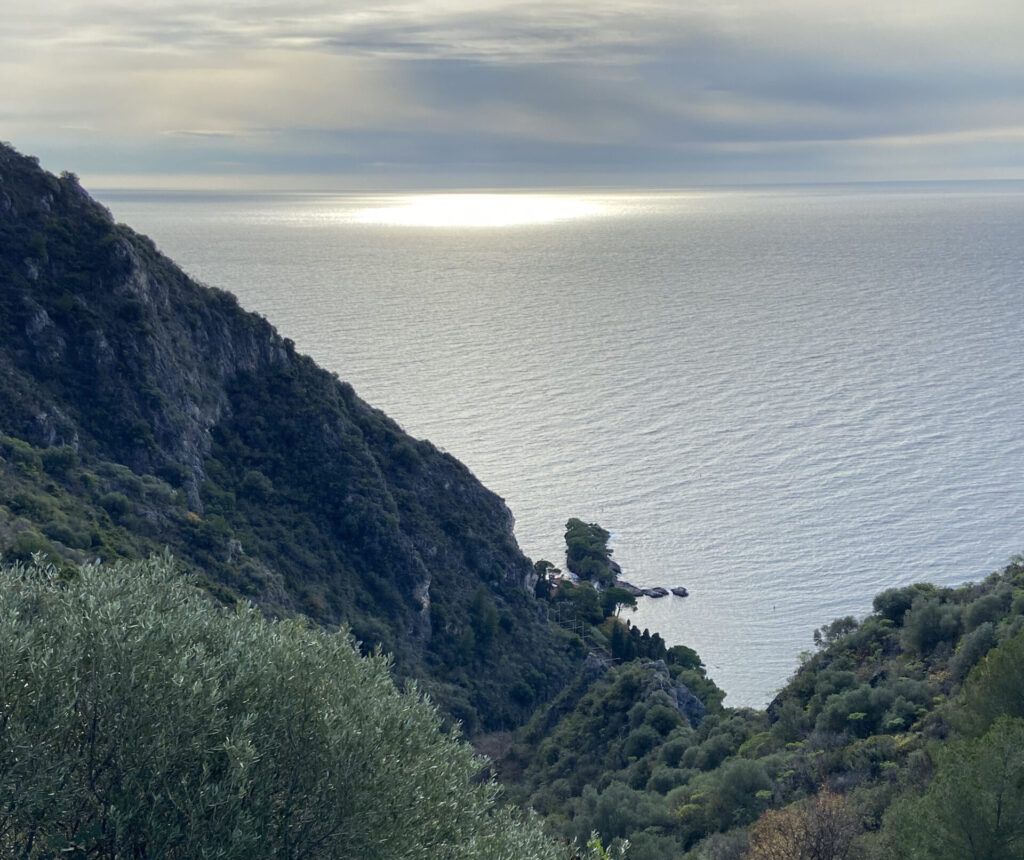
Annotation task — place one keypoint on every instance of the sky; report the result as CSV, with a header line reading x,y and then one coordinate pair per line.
x,y
324,94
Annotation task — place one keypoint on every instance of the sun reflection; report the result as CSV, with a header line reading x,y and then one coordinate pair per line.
x,y
478,210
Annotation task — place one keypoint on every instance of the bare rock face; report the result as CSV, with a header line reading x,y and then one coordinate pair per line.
x,y
679,694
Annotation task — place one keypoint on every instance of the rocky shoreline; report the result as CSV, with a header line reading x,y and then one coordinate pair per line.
x,y
657,591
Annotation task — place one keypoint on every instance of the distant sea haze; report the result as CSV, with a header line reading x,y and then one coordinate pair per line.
x,y
784,400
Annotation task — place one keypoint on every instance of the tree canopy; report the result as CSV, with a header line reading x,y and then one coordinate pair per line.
x,y
586,551
139,719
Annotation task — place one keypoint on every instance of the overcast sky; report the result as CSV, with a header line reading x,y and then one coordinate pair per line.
x,y
315,93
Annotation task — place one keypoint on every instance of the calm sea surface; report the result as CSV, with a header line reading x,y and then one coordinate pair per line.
x,y
784,400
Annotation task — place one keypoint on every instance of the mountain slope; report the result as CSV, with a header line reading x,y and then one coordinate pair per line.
x,y
899,737
141,409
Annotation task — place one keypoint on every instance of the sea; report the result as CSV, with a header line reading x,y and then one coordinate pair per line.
x,y
784,399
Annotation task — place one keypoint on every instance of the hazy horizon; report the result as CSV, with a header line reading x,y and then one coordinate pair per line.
x,y
204,186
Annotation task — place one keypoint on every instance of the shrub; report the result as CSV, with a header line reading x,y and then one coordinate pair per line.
x,y
58,460
990,607
28,544
972,648
68,535
927,623
893,603
663,719
115,504
33,505
257,486
824,826
641,741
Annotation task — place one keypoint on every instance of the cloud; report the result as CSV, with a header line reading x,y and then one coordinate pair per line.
x,y
681,89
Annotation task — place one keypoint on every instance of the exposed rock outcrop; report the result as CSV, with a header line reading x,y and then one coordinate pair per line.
x,y
684,701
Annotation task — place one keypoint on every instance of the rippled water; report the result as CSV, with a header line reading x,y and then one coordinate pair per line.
x,y
785,401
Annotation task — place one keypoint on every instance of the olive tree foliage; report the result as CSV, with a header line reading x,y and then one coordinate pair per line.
x,y
139,720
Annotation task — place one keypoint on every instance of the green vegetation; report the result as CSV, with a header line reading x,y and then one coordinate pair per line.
x,y
586,552
973,808
900,737
141,720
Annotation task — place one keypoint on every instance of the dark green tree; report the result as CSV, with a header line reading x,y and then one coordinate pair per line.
x,y
994,687
622,645
544,571
582,600
928,622
614,598
586,552
973,809
483,616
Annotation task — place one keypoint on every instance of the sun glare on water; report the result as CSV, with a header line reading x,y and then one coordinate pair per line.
x,y
478,210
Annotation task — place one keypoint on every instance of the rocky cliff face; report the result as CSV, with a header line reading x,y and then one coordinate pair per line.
x,y
133,356
194,424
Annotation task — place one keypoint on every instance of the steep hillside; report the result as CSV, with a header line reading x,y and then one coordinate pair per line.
x,y
901,736
141,410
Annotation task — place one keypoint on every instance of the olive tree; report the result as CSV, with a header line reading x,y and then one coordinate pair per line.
x,y
138,719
